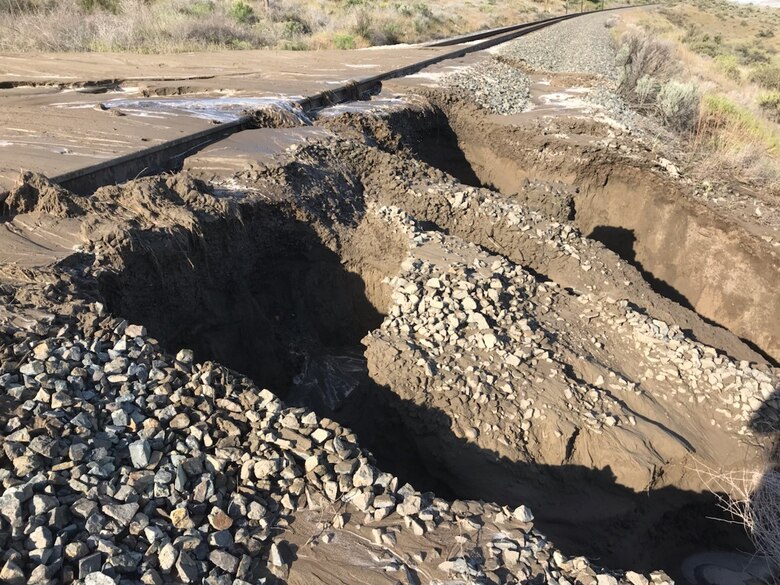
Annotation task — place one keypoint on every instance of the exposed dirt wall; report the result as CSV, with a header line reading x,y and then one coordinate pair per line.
x,y
683,249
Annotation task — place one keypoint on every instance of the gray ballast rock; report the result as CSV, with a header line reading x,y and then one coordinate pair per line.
x,y
100,484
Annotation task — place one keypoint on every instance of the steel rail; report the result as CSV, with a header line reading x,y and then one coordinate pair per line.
x,y
170,154
479,35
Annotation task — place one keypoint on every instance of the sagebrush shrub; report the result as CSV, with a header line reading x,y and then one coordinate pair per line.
x,y
642,56
767,76
646,90
678,104
769,102
729,66
344,41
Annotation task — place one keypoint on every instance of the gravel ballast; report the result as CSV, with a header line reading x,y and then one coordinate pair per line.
x,y
496,86
581,45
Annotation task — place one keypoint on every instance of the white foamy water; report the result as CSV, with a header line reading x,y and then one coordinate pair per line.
x,y
222,109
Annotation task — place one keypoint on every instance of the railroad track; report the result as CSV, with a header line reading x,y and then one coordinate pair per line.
x,y
169,155
493,32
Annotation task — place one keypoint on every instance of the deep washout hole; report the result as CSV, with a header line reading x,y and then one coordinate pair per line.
x,y
682,251
266,297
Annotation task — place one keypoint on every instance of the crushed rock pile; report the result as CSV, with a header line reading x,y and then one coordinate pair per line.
x,y
495,85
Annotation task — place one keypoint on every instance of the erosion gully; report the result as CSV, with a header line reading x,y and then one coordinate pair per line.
x,y
266,295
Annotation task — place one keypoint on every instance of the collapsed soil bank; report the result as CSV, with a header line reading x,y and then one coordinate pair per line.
x,y
281,296
285,296
682,248
228,282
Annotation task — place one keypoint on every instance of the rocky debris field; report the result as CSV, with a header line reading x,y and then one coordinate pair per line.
x,y
411,349
124,463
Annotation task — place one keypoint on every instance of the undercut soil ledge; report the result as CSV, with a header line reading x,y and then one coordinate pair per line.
x,y
686,251
479,344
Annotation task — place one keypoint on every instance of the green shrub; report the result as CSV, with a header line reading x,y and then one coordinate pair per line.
x,y
410,10
294,28
750,54
242,12
295,45
678,105
729,66
767,76
240,45
199,8
107,5
344,41
769,102
391,33
703,43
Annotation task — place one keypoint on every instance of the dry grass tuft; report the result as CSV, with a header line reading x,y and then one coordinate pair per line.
x,y
754,501
733,140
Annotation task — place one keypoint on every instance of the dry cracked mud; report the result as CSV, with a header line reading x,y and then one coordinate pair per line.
x,y
421,345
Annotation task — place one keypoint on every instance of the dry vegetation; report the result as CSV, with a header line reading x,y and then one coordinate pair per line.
x,y
189,25
756,504
710,70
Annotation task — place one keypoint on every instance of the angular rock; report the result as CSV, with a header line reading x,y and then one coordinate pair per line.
x,y
167,557
224,561
187,568
523,514
122,513
140,453
90,564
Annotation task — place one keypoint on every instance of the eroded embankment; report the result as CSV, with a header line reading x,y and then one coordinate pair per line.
x,y
282,292
683,249
508,358
489,463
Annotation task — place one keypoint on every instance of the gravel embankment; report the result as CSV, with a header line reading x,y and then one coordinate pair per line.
x,y
581,45
496,86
